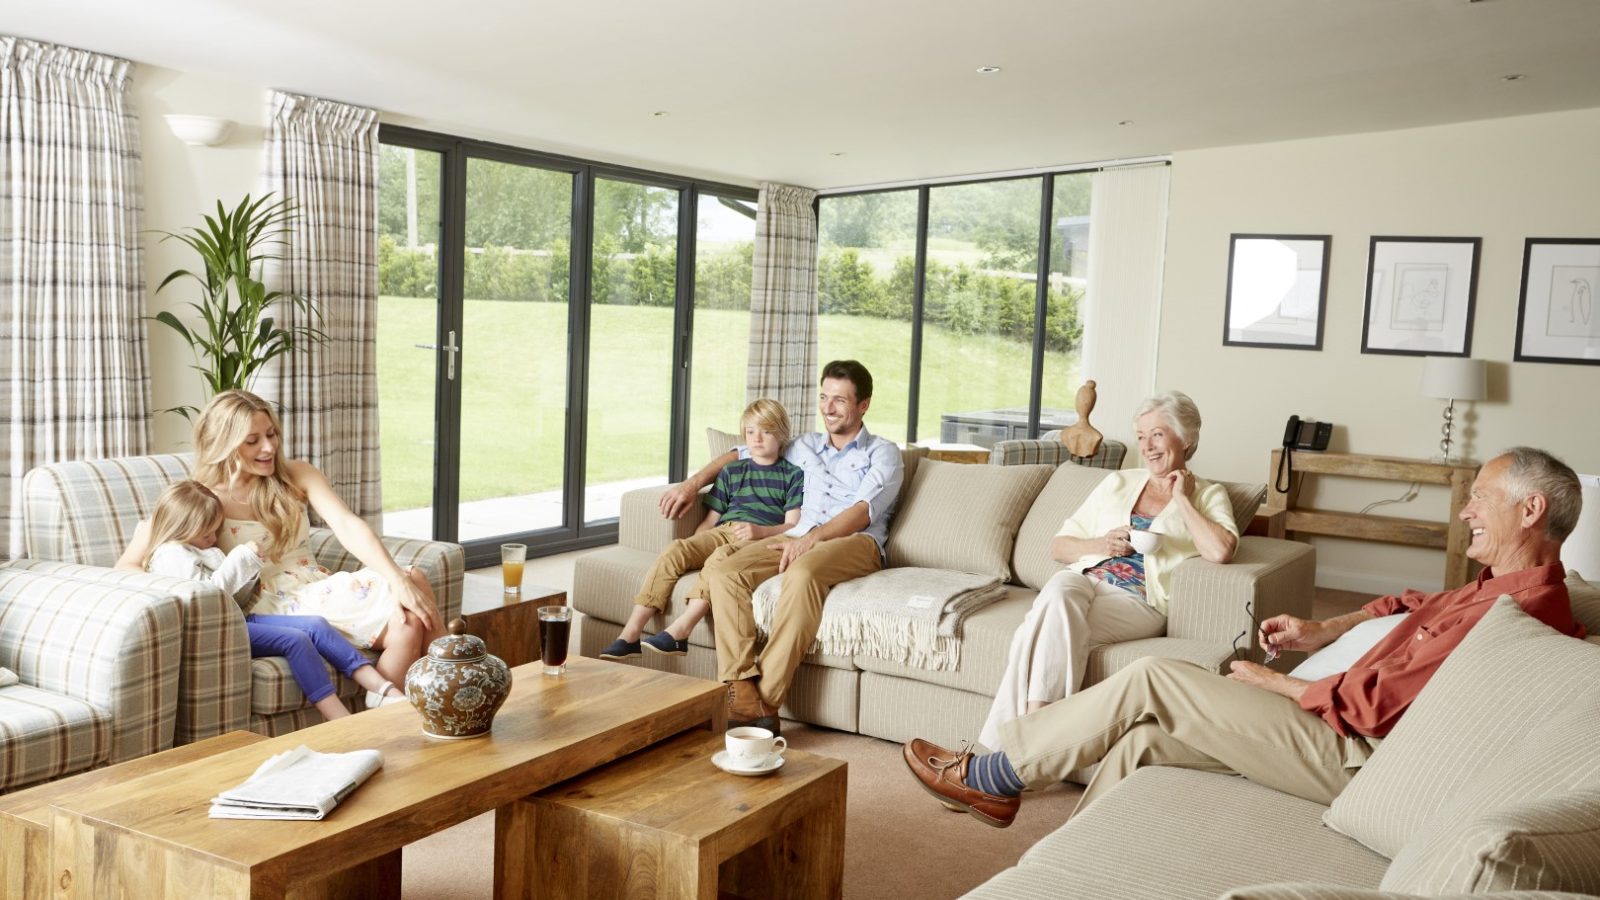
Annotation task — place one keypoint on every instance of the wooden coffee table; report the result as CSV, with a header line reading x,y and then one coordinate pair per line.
x,y
151,837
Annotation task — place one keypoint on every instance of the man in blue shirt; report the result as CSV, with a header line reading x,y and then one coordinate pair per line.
x,y
852,483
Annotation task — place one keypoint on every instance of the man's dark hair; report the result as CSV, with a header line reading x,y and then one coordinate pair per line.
x,y
853,372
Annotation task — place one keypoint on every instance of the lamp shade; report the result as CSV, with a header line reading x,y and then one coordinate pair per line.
x,y
1454,378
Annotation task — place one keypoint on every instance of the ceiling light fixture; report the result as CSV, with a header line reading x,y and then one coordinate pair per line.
x,y
988,70
659,114
1515,77
1126,122
837,153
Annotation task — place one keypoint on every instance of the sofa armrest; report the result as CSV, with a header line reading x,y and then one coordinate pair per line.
x,y
1306,891
116,649
1272,576
444,563
642,527
1051,451
214,656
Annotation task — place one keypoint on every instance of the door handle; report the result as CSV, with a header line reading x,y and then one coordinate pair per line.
x,y
451,348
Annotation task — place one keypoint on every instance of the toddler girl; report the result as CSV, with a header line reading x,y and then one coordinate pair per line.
x,y
183,535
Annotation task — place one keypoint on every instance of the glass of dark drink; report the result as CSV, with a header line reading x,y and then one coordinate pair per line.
x,y
555,627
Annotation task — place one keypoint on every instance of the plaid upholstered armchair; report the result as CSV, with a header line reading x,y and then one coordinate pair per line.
x,y
98,675
78,517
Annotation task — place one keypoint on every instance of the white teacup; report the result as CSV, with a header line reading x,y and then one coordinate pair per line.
x,y
753,748
1144,541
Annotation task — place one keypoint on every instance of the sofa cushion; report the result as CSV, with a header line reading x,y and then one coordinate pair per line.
x,y
1246,500
48,735
963,517
1491,836
1585,601
1220,827
1066,490
1552,844
1510,674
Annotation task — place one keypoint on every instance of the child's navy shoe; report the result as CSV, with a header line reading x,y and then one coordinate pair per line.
x,y
620,649
664,642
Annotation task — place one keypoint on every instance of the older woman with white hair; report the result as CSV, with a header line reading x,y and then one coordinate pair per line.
x,y
1110,592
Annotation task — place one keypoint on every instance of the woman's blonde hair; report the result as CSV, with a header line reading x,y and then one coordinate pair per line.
x,y
769,416
274,501
185,511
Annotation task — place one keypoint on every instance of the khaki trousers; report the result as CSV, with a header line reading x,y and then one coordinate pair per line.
x,y
1164,712
682,555
729,581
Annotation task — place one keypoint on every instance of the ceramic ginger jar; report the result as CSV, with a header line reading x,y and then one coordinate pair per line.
x,y
458,686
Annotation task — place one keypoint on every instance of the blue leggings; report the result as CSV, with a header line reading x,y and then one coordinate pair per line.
x,y
305,641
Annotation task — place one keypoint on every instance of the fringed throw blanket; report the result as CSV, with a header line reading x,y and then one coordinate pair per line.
x,y
906,615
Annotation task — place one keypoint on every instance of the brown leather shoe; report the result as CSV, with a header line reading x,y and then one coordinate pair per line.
x,y
745,707
941,773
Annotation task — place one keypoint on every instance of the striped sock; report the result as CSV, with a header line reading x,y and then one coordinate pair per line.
x,y
992,774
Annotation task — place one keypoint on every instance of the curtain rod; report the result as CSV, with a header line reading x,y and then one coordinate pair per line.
x,y
997,176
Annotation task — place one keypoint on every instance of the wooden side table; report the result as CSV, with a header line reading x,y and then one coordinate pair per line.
x,y
666,823
957,453
509,624
1451,535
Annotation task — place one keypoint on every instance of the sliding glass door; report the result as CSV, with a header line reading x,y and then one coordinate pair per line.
x,y
535,342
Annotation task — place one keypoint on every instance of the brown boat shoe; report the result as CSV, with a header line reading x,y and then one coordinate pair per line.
x,y
942,773
745,707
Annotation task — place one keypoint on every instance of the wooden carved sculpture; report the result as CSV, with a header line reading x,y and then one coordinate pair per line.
x,y
1082,439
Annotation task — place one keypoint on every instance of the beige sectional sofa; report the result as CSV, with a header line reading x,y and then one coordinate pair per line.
x,y
1490,785
975,518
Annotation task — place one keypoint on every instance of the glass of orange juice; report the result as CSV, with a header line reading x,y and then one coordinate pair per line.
x,y
512,556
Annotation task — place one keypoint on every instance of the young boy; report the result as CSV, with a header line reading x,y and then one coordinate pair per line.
x,y
753,499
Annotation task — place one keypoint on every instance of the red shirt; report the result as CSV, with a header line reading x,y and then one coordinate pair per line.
x,y
1370,698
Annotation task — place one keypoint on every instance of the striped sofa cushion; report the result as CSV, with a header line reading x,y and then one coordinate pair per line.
x,y
1510,675
963,517
1488,837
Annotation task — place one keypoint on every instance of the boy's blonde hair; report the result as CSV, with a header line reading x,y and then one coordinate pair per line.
x,y
769,416
185,511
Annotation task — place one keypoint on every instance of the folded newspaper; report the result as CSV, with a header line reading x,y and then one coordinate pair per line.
x,y
297,784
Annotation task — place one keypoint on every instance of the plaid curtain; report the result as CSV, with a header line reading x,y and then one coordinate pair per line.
x,y
783,303
324,156
72,291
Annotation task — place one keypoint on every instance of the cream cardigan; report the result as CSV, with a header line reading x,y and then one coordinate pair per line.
x,y
1111,503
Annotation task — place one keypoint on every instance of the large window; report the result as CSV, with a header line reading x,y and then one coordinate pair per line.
x,y
971,336
725,240
865,266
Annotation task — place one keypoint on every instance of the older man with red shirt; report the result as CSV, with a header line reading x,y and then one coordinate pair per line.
x,y
1305,738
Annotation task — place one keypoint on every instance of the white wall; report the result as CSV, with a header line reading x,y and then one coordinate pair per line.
x,y
1502,180
181,183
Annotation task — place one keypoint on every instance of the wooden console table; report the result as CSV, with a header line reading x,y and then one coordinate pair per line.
x,y
1451,535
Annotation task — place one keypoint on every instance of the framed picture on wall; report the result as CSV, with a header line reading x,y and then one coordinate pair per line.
x,y
1277,290
1558,319
1420,295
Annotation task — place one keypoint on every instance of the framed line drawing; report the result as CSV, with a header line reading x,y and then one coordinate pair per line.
x,y
1421,292
1277,290
1557,318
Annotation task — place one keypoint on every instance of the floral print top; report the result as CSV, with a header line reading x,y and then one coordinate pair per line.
x,y
280,578
1126,572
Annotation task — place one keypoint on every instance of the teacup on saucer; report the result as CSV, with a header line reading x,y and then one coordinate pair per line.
x,y
723,761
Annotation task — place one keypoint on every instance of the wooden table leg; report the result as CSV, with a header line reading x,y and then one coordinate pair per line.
x,y
803,860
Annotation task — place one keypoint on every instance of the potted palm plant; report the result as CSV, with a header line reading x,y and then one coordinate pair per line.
x,y
236,334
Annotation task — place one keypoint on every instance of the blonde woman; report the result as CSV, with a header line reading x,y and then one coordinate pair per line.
x,y
1109,592
265,497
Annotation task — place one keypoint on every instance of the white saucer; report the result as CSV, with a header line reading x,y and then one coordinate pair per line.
x,y
721,761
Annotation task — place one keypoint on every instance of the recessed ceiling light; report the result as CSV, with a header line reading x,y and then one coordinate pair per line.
x,y
837,153
1126,122
660,114
1515,77
988,70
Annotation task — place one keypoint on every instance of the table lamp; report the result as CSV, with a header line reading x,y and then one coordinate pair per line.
x,y
1452,378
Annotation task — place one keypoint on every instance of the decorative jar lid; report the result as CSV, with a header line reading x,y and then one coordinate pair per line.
x,y
458,646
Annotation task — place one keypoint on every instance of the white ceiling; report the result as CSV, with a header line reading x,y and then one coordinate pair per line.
x,y
765,90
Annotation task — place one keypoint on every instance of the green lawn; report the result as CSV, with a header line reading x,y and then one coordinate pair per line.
x,y
513,366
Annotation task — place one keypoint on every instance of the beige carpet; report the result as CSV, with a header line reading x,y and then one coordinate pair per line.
x,y
900,843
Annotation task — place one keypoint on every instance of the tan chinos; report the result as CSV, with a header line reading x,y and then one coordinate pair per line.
x,y
729,580
682,555
1165,712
